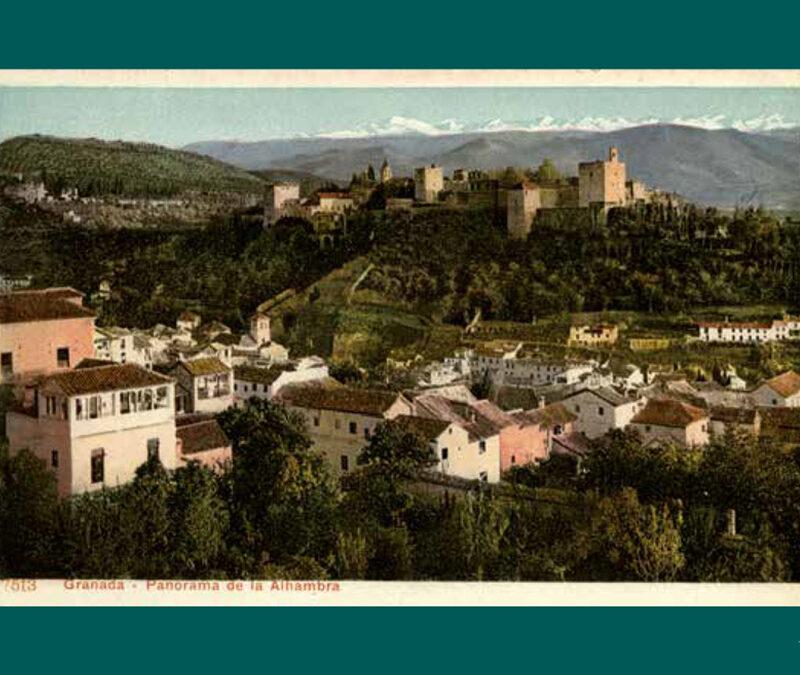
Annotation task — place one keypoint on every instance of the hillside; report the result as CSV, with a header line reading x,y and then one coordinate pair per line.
x,y
126,169
309,182
717,167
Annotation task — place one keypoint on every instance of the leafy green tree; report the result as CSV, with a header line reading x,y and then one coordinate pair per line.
x,y
379,487
199,521
659,472
712,554
638,542
391,557
547,172
146,519
95,541
29,507
282,498
351,555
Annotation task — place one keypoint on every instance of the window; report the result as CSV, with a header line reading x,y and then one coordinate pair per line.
x,y
557,430
513,459
54,458
601,411
647,427
344,463
62,357
162,400
338,424
94,407
366,433
577,408
79,408
125,402
353,428
98,465
316,421
481,447
50,405
444,453
152,448
774,401
235,386
484,477
6,364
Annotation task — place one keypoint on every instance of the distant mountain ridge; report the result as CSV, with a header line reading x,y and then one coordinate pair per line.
x,y
98,167
724,167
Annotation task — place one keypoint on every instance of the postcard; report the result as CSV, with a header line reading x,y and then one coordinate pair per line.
x,y
399,337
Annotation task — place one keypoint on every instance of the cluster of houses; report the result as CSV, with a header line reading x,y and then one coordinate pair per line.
x,y
95,403
603,397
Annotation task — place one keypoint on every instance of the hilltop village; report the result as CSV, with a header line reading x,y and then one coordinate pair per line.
x,y
496,410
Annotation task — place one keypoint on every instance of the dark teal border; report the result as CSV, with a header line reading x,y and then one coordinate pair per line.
x,y
356,34
399,34
586,640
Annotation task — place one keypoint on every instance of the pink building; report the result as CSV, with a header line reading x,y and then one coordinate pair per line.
x,y
42,332
531,439
94,426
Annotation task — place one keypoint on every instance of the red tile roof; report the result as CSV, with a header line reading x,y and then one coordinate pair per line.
x,y
786,384
550,415
104,378
669,413
205,366
260,375
429,429
201,436
42,305
343,399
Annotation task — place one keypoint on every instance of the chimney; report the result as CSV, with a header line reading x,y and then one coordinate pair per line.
x,y
730,522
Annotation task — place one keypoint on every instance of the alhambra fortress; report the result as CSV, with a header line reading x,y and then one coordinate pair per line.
x,y
599,186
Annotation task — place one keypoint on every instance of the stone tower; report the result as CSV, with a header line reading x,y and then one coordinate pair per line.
x,y
277,197
523,202
386,171
428,183
602,183
260,328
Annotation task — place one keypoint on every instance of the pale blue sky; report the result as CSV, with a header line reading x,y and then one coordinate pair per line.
x,y
175,117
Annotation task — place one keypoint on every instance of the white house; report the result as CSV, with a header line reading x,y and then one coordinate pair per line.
x,y
121,345
204,385
781,390
668,420
265,383
455,452
601,410
340,420
787,328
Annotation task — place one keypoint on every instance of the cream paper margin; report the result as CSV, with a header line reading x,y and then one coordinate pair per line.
x,y
401,78
400,593
365,593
